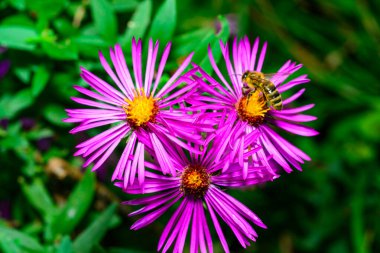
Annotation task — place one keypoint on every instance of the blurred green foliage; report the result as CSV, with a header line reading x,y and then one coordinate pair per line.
x,y
332,206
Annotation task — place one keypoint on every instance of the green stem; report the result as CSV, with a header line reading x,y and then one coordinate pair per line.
x,y
357,221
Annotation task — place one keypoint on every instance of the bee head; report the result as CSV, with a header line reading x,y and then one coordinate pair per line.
x,y
245,76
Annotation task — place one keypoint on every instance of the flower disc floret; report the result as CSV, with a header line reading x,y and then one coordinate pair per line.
x,y
195,181
252,108
140,110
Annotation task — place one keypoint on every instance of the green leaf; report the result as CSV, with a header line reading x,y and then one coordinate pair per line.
x,y
55,113
66,246
46,8
194,41
90,40
95,232
369,125
17,37
105,19
60,51
18,4
122,5
164,22
39,197
38,133
12,104
34,228
89,44
223,35
40,80
98,249
9,246
64,27
23,74
18,20
13,139
138,24
75,208
13,241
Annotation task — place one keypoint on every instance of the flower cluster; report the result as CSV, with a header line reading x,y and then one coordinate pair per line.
x,y
189,136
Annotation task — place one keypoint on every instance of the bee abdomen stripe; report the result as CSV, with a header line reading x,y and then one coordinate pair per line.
x,y
274,94
277,106
277,99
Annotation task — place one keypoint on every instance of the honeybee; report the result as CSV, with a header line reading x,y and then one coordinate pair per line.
x,y
257,80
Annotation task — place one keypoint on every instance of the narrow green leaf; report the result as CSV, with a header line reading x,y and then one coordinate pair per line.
x,y
39,197
164,22
12,240
17,37
95,232
214,44
40,80
138,24
34,228
75,208
105,19
194,41
357,213
66,246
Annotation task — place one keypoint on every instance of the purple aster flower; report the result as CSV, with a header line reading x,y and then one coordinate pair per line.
x,y
4,67
5,64
198,187
5,209
27,123
251,111
4,123
44,143
140,111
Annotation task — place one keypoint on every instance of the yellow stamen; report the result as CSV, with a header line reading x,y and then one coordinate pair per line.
x,y
252,108
195,181
140,110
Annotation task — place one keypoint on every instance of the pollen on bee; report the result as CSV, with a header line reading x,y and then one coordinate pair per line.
x,y
252,108
140,110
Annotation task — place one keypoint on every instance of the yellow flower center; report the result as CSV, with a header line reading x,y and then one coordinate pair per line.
x,y
195,181
252,108
140,110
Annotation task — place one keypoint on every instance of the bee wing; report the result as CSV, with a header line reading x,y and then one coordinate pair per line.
x,y
271,76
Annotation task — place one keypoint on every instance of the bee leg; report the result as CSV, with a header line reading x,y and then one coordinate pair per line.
x,y
245,90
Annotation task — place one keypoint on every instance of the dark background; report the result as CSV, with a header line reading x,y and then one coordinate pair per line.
x,y
48,206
